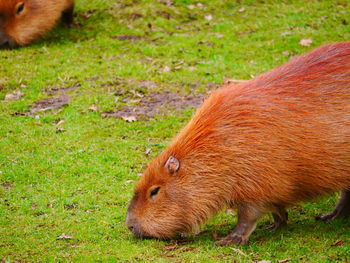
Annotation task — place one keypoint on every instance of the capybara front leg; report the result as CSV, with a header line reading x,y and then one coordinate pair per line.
x,y
342,208
67,15
247,217
280,217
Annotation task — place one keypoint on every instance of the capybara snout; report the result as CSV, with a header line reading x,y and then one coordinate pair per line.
x,y
5,41
258,147
163,204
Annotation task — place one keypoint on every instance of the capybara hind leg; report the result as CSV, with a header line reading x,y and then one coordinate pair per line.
x,y
247,217
67,15
280,217
342,208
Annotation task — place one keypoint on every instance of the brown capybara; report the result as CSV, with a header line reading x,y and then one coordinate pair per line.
x,y
260,146
23,21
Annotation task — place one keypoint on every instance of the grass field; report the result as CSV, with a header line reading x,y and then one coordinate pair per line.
x,y
67,166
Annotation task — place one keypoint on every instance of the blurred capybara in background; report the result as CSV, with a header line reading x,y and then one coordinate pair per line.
x,y
23,21
260,146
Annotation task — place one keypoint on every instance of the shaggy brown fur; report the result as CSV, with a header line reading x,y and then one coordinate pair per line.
x,y
23,21
260,146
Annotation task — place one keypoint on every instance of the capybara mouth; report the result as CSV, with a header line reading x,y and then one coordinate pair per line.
x,y
7,44
137,232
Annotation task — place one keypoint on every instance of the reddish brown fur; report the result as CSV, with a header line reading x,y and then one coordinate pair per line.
x,y
37,18
268,143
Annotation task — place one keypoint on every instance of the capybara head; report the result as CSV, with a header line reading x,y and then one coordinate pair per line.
x,y
23,21
172,198
159,201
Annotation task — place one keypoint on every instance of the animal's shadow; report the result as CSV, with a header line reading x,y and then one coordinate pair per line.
x,y
86,26
307,228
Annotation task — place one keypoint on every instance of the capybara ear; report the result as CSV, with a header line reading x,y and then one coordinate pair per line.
x,y
172,165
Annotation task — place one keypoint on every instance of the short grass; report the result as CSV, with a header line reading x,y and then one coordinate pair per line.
x,y
77,180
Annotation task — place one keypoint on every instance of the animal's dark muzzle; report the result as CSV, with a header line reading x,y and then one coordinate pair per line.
x,y
6,41
134,227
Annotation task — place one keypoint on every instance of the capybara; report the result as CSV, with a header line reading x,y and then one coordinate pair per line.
x,y
259,147
23,21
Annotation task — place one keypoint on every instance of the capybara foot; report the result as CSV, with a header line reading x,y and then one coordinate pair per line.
x,y
231,239
280,219
327,217
276,225
342,208
333,215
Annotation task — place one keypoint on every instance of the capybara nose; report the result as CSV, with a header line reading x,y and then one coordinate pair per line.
x,y
130,222
134,227
4,41
131,228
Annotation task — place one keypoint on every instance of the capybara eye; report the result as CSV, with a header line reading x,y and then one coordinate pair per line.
x,y
154,192
19,8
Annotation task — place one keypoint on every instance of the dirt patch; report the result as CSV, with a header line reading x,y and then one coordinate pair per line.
x,y
49,104
53,103
62,90
158,104
7,186
127,37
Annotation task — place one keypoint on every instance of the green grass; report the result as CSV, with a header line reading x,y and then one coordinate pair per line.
x,y
77,181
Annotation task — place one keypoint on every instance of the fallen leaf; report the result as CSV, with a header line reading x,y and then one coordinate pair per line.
x,y
70,206
284,260
192,68
191,6
59,130
218,35
170,246
13,96
241,10
208,17
337,243
93,108
64,236
60,122
234,81
286,53
129,181
305,42
283,34
238,251
165,69
129,118
58,111
264,261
